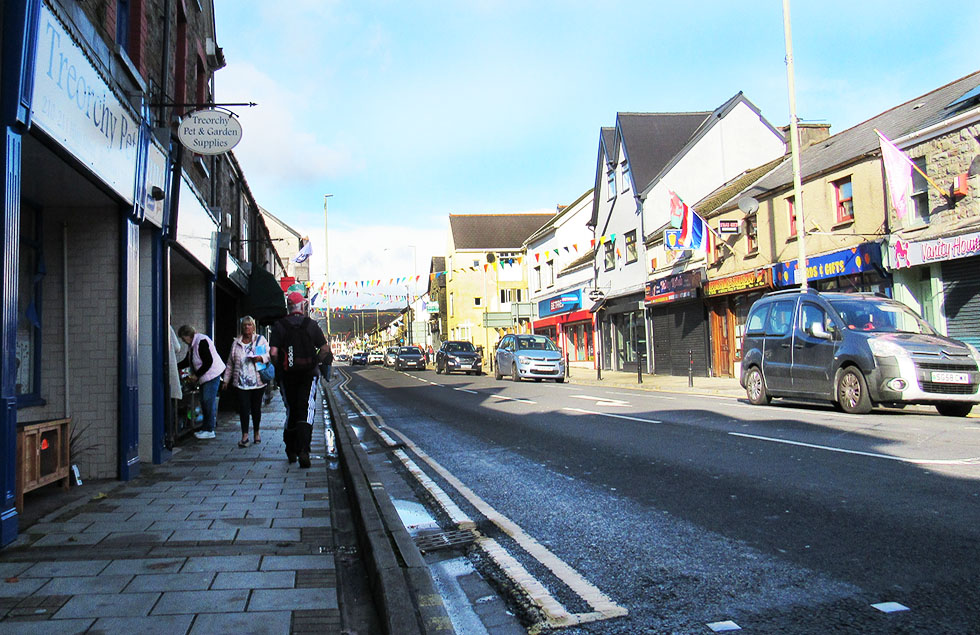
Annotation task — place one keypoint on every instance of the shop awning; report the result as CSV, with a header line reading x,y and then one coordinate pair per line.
x,y
265,300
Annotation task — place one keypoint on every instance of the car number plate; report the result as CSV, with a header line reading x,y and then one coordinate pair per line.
x,y
950,378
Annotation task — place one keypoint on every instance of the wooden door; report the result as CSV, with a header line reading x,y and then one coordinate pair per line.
x,y
721,340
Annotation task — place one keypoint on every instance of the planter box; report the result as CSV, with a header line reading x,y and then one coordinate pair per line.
x,y
42,456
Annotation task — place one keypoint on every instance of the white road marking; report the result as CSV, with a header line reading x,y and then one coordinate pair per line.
x,y
890,607
472,392
609,414
502,397
556,614
875,455
602,401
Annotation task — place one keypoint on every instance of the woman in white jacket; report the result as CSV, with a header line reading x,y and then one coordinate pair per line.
x,y
248,351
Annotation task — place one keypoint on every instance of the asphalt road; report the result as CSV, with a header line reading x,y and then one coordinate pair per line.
x,y
689,511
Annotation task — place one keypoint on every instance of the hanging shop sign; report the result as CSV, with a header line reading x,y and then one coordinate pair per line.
x,y
729,226
564,303
680,286
758,279
155,186
432,306
74,104
672,240
904,253
209,131
864,257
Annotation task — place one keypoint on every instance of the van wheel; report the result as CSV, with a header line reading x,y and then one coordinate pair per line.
x,y
954,409
755,388
852,391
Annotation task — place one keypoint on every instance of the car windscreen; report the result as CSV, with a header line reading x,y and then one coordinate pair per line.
x,y
882,316
409,350
459,347
535,343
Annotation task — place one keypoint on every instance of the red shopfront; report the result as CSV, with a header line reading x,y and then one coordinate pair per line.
x,y
562,318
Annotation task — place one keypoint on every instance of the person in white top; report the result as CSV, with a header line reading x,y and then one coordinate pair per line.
x,y
248,352
206,366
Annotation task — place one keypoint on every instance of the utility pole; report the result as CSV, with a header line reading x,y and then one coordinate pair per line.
x,y
326,260
794,134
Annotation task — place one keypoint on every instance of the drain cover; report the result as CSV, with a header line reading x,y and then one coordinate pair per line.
x,y
445,540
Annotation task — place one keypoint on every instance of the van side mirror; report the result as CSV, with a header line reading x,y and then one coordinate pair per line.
x,y
817,330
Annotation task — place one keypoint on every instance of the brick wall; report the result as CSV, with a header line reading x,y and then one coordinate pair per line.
x,y
93,343
947,157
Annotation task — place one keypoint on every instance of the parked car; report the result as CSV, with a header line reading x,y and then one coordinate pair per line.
x,y
376,356
855,350
409,357
458,355
360,358
390,356
529,356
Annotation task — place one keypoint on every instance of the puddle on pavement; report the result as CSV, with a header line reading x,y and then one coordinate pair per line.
x,y
414,516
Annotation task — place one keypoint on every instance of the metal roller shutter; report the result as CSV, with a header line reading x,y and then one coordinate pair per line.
x,y
961,288
678,331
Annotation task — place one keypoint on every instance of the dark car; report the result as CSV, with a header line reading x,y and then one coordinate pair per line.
x,y
359,359
458,355
409,357
854,350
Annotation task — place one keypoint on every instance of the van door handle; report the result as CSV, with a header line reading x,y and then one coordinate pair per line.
x,y
798,346
785,345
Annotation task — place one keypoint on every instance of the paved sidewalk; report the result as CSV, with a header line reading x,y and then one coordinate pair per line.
x,y
723,386
218,540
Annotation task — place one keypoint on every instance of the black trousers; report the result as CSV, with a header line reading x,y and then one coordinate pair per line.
x,y
250,403
299,393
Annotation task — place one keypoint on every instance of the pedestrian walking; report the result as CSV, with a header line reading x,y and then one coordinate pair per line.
x,y
327,363
206,369
297,346
248,352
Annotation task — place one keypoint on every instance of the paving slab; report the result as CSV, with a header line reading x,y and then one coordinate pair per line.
x,y
66,568
21,588
83,585
136,566
162,582
203,535
48,627
269,623
187,602
293,599
222,563
108,605
73,539
255,580
296,563
152,625
267,534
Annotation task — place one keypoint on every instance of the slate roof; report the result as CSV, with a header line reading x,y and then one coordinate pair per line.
x,y
860,141
653,139
494,231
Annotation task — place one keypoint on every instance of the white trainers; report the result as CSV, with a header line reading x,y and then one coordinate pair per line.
x,y
204,434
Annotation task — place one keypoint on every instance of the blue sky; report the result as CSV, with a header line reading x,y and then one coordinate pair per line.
x,y
409,111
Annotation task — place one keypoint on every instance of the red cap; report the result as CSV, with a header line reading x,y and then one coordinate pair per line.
x,y
295,298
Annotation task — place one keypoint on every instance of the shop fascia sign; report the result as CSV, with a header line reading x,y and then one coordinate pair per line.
x,y
839,263
209,131
564,303
680,286
758,279
904,253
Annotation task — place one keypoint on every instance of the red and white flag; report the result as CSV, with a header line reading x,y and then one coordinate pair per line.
x,y
898,174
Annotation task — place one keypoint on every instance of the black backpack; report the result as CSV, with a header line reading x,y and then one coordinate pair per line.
x,y
298,352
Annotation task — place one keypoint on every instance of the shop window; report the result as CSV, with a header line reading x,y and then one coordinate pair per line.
x,y
791,211
28,371
631,254
920,191
845,200
610,255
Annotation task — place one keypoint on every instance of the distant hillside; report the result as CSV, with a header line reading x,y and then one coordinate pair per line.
x,y
342,324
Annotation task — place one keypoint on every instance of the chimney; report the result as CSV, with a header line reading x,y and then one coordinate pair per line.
x,y
810,133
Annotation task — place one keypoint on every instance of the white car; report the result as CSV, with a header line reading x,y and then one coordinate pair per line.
x,y
376,357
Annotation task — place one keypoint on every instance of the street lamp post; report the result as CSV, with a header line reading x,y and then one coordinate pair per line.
x,y
326,260
801,274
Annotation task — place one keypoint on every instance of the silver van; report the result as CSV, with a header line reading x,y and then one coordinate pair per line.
x,y
855,350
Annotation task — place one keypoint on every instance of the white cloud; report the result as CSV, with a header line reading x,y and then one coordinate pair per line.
x,y
277,147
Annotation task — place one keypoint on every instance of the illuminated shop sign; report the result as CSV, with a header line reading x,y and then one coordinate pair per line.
x,y
564,303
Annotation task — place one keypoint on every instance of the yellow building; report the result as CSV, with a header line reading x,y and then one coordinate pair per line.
x,y
485,276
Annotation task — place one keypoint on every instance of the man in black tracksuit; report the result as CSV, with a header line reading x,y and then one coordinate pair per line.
x,y
297,372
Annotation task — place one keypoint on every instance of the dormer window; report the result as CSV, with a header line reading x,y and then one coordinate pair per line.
x,y
611,181
625,168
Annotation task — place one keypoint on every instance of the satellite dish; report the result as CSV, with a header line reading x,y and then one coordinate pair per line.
x,y
491,258
748,205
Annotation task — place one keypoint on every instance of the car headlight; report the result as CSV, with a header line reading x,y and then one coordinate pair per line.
x,y
974,352
886,348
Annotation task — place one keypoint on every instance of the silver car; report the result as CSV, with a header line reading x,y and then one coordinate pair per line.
x,y
529,356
